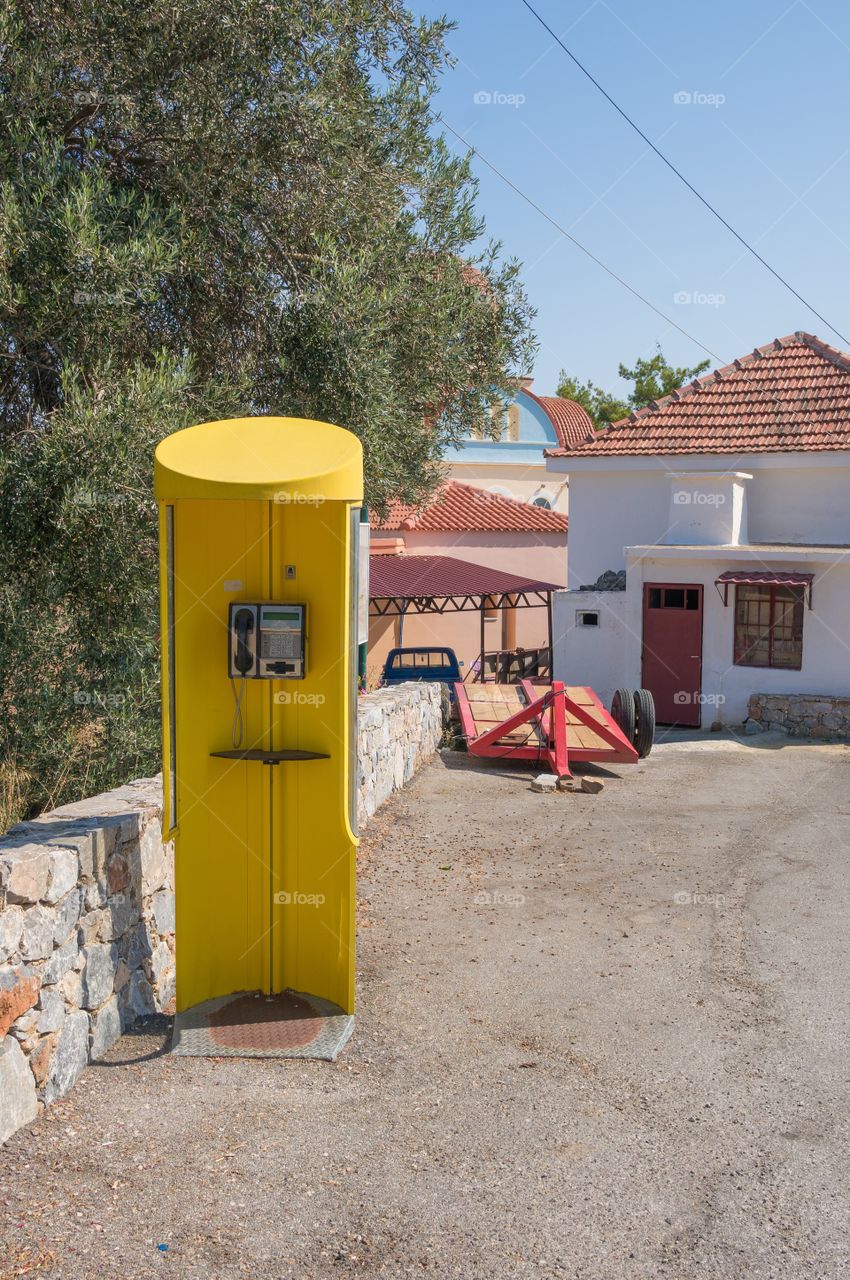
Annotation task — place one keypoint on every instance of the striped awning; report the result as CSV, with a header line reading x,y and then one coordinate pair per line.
x,y
764,578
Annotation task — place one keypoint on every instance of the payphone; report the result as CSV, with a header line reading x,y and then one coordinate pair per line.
x,y
259,538
267,641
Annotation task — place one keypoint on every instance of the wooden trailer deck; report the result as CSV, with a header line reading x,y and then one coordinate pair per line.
x,y
551,723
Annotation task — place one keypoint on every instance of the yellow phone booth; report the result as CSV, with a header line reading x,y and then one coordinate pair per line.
x,y
259,521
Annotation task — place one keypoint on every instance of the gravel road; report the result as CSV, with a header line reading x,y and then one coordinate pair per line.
x,y
598,1037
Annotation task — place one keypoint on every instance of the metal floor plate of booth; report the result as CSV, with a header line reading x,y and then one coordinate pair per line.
x,y
249,1024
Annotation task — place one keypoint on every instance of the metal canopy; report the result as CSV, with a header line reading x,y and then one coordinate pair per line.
x,y
763,578
399,585
441,584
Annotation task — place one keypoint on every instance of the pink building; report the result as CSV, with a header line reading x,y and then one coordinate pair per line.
x,y
473,525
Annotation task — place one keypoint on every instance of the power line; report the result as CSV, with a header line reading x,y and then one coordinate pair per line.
x,y
599,263
587,252
681,176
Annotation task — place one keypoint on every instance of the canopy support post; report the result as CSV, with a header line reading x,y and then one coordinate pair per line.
x,y
551,637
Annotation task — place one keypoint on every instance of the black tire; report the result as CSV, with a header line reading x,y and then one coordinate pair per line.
x,y
623,711
644,734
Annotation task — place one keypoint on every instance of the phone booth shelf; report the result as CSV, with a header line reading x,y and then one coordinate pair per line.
x,y
259,523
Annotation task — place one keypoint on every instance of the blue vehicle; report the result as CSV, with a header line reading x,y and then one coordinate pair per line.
x,y
422,663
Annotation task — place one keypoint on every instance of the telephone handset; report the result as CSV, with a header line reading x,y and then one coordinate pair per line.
x,y
244,623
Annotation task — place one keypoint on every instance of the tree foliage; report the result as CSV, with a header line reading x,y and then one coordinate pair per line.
x,y
651,378
600,406
209,209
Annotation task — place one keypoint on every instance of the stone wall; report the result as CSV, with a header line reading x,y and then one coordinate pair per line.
x,y
399,727
86,940
87,909
801,715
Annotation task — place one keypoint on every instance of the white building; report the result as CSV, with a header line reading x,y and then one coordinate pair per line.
x,y
725,510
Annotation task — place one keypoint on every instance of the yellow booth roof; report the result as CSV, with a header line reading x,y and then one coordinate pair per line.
x,y
260,458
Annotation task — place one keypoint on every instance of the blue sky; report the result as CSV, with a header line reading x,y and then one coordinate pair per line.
x,y
764,137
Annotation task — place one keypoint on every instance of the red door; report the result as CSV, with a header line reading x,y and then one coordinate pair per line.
x,y
672,650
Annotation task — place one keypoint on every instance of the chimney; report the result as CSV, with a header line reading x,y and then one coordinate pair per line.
x,y
525,382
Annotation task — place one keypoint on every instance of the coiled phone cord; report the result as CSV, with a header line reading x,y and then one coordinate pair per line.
x,y
238,730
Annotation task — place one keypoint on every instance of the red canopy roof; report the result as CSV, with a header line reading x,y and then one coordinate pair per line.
x,y
776,578
766,578
438,577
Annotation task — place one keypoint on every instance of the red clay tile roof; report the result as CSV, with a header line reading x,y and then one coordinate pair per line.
x,y
462,508
571,422
791,395
471,275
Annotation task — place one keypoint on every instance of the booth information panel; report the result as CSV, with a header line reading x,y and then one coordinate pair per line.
x,y
259,521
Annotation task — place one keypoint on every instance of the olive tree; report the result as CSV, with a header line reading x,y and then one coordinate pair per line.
x,y
209,209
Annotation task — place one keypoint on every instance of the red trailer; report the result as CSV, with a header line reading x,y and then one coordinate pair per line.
x,y
555,724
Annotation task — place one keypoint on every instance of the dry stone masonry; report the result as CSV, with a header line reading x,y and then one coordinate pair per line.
x,y
86,940
399,727
800,715
87,909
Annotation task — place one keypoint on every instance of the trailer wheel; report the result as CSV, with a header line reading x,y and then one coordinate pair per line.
x,y
644,734
623,711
